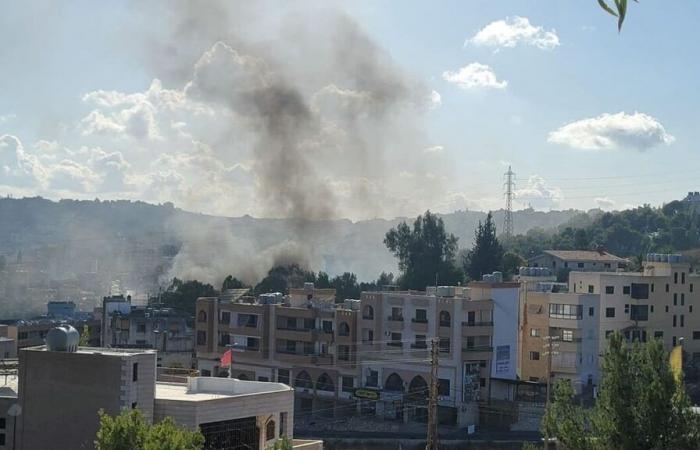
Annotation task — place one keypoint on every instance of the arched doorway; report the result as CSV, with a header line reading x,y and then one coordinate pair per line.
x,y
417,398
394,383
324,383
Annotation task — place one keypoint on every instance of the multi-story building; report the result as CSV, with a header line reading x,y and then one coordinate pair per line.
x,y
163,329
578,260
30,333
371,356
61,387
60,309
304,340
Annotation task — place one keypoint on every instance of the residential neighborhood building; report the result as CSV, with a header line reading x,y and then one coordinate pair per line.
x,y
578,260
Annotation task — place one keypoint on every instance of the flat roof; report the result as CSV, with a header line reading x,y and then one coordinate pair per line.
x,y
200,389
97,351
585,255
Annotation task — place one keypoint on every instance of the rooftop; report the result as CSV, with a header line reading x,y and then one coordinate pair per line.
x,y
8,385
585,255
97,351
200,389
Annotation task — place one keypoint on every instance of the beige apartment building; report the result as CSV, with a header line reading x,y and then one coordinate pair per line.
x,y
371,356
579,260
303,340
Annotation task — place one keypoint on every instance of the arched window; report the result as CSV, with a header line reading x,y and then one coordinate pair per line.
x,y
445,320
368,312
202,316
270,430
344,329
324,383
418,389
394,383
303,380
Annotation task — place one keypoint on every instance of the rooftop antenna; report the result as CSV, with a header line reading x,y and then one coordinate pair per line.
x,y
510,187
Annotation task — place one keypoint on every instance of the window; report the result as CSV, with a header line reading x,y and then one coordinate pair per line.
x,y
270,430
666,287
675,277
224,339
696,335
2,438
290,346
567,335
444,345
309,348
658,334
682,320
579,265
135,372
673,341
534,356
348,384
639,291
674,320
652,287
625,290
309,324
396,314
283,376
682,277
559,311
201,337
368,312
639,312
606,265
283,424
482,382
691,287
225,317
443,387
421,316
251,320
535,332
627,309
682,299
609,312
252,343
471,318
134,405
591,311
344,352
141,327
2,423
666,308
690,308
608,333
566,264
590,289
372,379
445,320
344,329
609,289
651,308
327,326
675,299
420,341
202,316
395,340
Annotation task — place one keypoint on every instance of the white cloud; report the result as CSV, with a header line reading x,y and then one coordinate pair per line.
x,y
605,203
515,31
7,117
434,150
17,167
636,131
474,75
539,194
435,99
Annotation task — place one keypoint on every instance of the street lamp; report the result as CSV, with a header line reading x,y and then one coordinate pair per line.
x,y
14,411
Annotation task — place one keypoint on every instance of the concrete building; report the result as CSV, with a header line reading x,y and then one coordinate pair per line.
x,y
129,326
31,333
304,340
230,413
60,310
61,392
578,260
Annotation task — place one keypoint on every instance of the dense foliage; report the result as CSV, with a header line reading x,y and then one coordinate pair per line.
x,y
425,252
182,295
629,233
129,431
640,404
487,254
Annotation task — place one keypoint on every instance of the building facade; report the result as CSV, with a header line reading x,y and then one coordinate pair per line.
x,y
578,260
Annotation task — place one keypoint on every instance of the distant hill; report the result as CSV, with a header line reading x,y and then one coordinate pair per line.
x,y
138,243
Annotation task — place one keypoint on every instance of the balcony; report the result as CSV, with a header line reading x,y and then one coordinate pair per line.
x,y
418,320
395,344
394,319
477,349
420,346
477,324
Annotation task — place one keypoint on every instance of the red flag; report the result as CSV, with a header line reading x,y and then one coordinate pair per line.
x,y
227,358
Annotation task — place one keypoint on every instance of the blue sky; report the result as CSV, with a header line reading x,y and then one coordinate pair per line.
x,y
558,77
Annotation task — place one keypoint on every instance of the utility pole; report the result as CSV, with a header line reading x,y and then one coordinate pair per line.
x,y
550,345
432,440
510,187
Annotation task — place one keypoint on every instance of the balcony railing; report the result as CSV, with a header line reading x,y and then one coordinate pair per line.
x,y
477,324
395,344
395,319
477,348
421,345
419,320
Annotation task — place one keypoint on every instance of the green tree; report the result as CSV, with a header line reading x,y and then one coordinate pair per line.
x,y
85,337
640,404
129,431
231,282
345,286
620,10
424,252
511,263
487,253
183,295
281,278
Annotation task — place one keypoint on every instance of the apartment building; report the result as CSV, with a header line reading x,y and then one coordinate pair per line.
x,y
578,260
303,340
657,302
125,325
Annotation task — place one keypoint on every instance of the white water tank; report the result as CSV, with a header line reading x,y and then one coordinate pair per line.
x,y
63,338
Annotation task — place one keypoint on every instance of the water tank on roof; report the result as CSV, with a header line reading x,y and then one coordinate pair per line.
x,y
522,271
309,286
445,291
498,277
63,338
